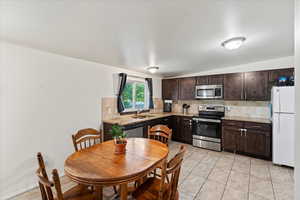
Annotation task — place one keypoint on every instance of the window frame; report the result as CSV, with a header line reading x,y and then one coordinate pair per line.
x,y
146,95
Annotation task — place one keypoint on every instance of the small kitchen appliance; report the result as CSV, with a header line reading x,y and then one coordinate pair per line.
x,y
185,108
207,127
283,120
209,92
168,105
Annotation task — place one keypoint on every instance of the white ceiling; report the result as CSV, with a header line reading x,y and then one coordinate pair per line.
x,y
180,36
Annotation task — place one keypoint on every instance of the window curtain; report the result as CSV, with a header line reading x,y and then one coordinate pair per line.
x,y
122,82
150,87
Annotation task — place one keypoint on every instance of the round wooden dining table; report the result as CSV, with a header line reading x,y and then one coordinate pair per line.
x,y
99,166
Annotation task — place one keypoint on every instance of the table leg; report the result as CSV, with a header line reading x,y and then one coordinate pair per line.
x,y
99,192
124,191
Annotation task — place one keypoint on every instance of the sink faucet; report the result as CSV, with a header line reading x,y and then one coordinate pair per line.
x,y
138,111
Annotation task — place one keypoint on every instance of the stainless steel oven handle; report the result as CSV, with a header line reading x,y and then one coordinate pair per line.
x,y
207,120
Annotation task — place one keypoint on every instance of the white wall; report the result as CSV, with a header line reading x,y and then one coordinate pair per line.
x,y
297,66
44,99
285,62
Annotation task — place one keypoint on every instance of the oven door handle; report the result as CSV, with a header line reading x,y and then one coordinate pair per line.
x,y
207,120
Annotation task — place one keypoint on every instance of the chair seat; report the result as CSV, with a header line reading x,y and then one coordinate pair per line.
x,y
149,190
79,192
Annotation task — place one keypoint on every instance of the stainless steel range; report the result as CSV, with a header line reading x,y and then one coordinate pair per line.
x,y
207,127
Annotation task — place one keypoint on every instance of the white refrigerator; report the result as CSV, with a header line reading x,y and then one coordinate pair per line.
x,y
283,118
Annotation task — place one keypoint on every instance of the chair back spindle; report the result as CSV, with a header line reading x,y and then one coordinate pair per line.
x,y
160,132
45,184
86,138
173,170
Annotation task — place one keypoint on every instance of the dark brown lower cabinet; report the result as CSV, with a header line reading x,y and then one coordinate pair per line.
x,y
186,129
229,138
247,138
258,143
182,129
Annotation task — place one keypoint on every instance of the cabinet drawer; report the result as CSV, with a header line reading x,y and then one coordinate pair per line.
x,y
257,126
232,129
238,124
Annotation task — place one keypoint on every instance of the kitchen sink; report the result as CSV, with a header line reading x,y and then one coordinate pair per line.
x,y
142,116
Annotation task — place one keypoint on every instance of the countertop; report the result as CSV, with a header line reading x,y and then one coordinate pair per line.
x,y
248,119
128,119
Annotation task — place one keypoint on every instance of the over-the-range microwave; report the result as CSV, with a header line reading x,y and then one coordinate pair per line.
x,y
209,92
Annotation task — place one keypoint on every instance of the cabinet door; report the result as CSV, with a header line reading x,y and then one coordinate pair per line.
x,y
275,74
202,80
170,89
256,86
241,141
187,88
257,143
234,86
176,132
186,129
229,138
216,79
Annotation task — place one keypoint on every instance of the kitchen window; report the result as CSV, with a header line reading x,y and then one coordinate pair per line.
x,y
135,95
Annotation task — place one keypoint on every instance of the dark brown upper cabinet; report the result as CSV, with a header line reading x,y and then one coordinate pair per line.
x,y
216,79
275,74
170,89
234,86
187,88
256,86
202,80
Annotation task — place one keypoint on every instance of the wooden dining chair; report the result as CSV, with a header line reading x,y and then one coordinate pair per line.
x,y
85,138
78,192
149,190
160,132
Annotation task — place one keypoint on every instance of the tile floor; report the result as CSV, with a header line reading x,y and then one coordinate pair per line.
x,y
209,175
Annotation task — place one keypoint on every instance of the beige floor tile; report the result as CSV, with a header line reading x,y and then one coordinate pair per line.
x,y
219,175
242,159
192,184
232,194
228,155
284,191
280,174
241,166
260,171
255,161
224,163
261,187
211,190
238,181
209,159
256,197
202,170
185,196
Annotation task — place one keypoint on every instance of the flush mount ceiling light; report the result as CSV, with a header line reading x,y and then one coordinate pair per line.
x,y
153,69
233,43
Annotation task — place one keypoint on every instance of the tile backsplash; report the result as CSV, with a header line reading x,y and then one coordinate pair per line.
x,y
109,107
255,109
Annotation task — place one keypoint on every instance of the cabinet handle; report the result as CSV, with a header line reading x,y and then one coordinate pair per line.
x,y
241,131
245,131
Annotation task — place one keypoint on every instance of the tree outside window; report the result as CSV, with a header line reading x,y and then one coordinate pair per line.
x,y
135,95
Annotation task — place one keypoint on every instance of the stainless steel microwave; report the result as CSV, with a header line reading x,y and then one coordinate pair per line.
x,y
209,92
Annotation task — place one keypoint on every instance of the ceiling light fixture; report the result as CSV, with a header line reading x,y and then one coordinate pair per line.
x,y
233,43
153,69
